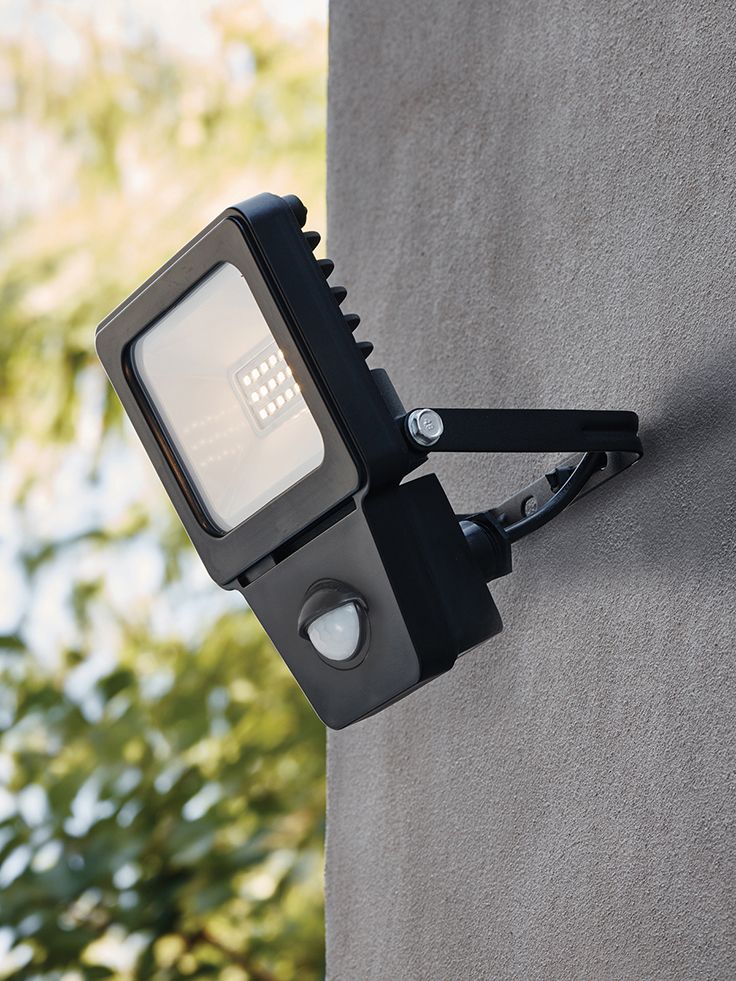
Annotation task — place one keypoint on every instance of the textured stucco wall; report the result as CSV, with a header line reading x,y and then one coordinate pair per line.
x,y
534,204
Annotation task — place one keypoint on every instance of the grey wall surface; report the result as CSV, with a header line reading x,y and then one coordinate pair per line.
x,y
533,204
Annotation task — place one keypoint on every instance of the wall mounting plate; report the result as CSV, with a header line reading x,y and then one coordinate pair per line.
x,y
535,495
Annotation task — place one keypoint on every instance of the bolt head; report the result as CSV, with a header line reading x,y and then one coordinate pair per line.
x,y
424,426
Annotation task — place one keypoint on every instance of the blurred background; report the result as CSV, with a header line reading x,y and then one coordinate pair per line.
x,y
161,775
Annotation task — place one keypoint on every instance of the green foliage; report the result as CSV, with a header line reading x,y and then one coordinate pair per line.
x,y
180,805
161,775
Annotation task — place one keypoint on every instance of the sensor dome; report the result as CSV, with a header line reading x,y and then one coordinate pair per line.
x,y
337,634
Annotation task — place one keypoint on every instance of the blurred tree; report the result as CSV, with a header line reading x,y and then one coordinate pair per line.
x,y
161,776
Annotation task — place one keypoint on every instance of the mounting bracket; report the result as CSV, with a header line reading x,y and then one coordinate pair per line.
x,y
607,443
533,497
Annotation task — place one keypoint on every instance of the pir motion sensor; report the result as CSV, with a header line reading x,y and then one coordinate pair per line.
x,y
285,458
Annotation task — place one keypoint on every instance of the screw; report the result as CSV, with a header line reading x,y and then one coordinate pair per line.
x,y
424,426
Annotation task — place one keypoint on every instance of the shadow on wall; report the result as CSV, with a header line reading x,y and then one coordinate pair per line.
x,y
676,510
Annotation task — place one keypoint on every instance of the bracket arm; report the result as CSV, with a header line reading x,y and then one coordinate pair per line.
x,y
536,431
605,442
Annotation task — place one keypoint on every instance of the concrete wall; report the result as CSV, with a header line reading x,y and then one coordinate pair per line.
x,y
533,204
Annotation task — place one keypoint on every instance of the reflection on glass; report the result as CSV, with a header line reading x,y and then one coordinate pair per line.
x,y
227,399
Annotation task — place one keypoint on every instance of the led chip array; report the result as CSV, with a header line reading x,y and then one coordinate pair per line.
x,y
268,388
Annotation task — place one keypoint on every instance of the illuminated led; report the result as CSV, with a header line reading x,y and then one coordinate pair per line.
x,y
270,388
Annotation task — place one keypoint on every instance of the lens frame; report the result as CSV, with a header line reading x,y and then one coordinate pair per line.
x,y
227,554
364,445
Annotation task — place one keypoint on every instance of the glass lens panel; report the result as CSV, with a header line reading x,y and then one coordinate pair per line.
x,y
227,399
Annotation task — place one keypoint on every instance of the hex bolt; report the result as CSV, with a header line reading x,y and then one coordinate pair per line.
x,y
424,427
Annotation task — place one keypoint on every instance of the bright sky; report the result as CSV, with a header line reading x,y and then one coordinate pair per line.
x,y
67,500
181,23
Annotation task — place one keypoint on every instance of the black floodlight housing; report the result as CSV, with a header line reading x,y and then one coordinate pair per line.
x,y
285,458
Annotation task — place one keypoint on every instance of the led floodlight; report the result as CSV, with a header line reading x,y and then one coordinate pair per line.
x,y
284,457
